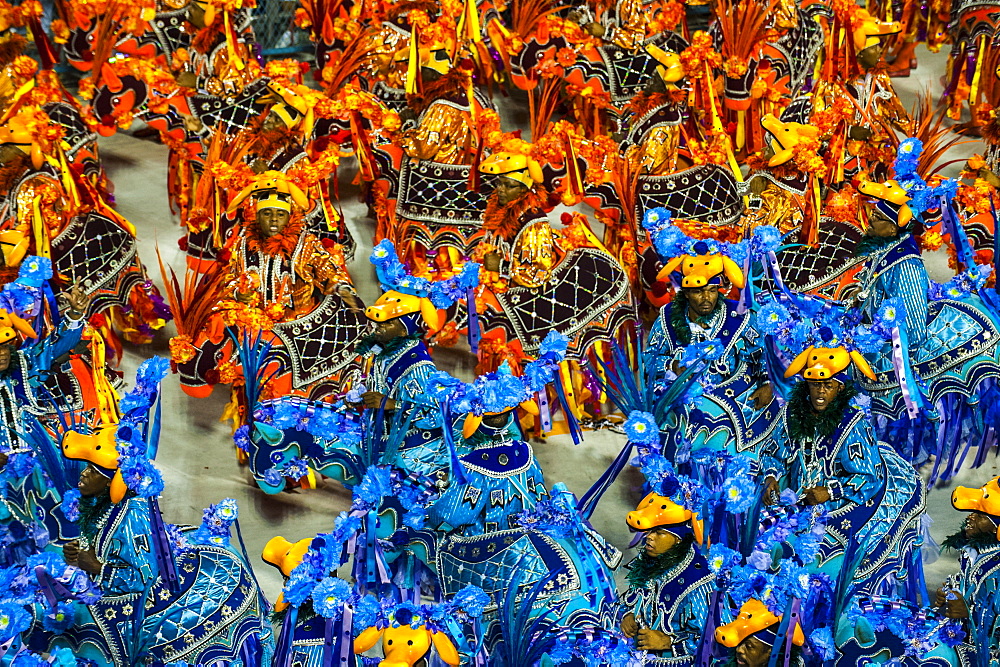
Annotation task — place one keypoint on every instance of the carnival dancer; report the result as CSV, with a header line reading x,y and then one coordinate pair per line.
x,y
871,109
276,266
41,382
740,398
190,598
653,130
400,362
754,636
971,595
875,498
494,476
667,600
447,107
946,368
540,278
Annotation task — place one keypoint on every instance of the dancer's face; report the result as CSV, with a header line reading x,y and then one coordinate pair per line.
x,y
702,300
659,541
388,330
978,523
822,393
92,483
5,356
879,225
272,221
509,190
752,652
869,57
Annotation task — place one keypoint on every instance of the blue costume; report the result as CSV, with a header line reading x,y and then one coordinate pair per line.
x,y
726,418
29,388
675,603
876,498
400,372
954,341
502,480
216,614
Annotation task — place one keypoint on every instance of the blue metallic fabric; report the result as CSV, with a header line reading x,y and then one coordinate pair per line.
x,y
876,503
675,603
725,419
217,614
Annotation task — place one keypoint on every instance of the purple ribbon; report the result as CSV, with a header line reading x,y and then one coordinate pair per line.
x,y
346,640
900,360
474,333
545,415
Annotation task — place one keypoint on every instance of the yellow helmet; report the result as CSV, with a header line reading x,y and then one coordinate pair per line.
x,y
516,166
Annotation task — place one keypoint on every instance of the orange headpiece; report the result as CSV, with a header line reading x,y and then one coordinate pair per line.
x,y
867,34
670,68
517,166
394,304
285,556
824,363
754,617
700,270
11,325
268,183
985,499
787,136
655,511
890,199
404,645
101,450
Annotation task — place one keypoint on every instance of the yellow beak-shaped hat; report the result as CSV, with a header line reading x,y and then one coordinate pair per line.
x,y
285,556
824,363
516,166
754,617
985,499
787,136
700,270
101,450
890,199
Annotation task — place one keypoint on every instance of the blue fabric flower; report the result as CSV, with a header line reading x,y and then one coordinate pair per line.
x,y
721,558
554,344
21,464
329,597
242,438
300,585
822,642
62,657
772,316
367,614
58,618
472,600
13,620
34,271
71,504
295,468
641,428
29,659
